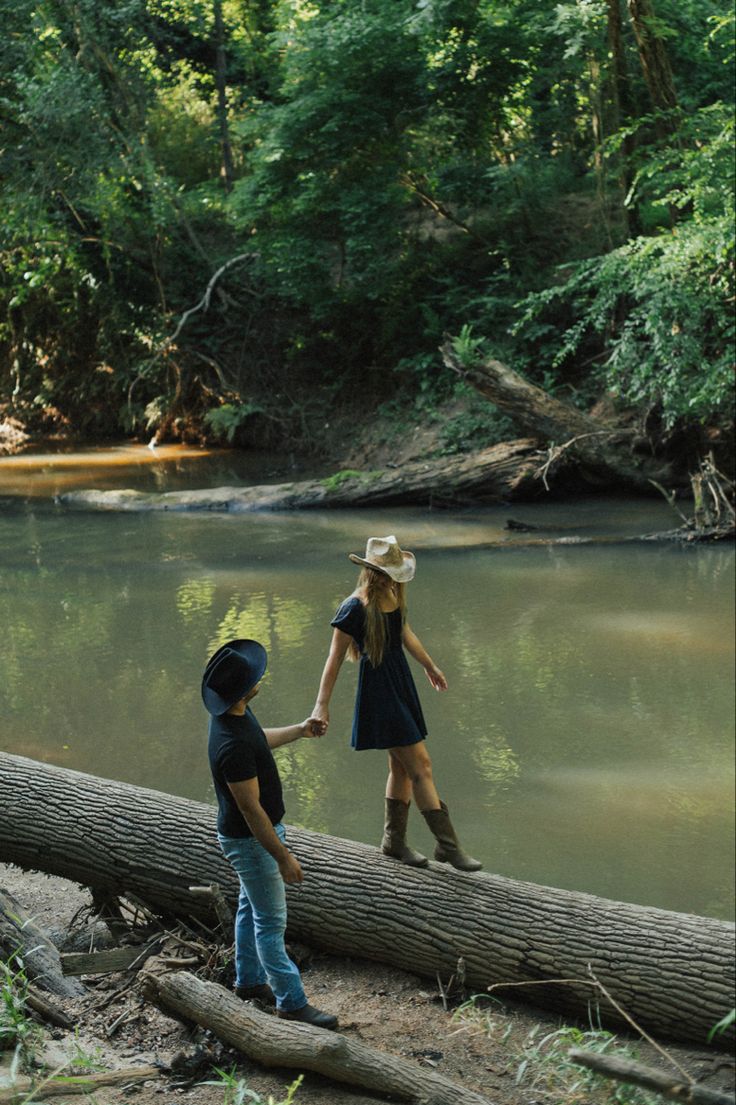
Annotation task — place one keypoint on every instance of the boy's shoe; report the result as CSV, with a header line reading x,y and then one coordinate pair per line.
x,y
308,1015
262,993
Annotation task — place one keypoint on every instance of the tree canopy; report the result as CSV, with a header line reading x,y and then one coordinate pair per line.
x,y
228,214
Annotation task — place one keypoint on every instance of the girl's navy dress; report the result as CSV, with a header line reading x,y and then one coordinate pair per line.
x,y
387,710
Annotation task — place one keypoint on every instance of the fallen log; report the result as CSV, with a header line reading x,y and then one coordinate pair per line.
x,y
502,472
276,1043
672,972
22,939
668,1085
607,452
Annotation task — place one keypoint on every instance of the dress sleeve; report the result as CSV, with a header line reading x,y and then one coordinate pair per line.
x,y
350,618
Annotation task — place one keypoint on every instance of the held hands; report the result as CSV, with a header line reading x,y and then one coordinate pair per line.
x,y
290,869
436,678
321,714
313,727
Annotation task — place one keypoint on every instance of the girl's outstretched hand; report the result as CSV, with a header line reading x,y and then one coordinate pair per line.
x,y
436,678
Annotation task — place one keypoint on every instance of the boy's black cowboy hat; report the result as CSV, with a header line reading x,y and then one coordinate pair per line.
x,y
231,672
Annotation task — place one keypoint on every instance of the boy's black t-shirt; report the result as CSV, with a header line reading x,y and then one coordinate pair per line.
x,y
238,750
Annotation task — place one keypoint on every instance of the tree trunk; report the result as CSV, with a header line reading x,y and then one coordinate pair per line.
x,y
606,452
672,972
503,472
221,84
655,62
623,111
276,1043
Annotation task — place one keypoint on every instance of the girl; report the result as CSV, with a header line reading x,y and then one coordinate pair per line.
x,y
371,626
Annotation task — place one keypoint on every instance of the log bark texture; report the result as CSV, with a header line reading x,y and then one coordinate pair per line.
x,y
605,451
500,473
674,973
276,1043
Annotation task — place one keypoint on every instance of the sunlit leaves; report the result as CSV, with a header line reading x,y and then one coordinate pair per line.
x,y
659,308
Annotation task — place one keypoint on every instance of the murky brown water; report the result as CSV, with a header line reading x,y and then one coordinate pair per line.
x,y
587,737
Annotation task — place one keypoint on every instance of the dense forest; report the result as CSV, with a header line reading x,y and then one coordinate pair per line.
x,y
223,218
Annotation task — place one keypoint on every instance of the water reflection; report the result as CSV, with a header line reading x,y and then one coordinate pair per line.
x,y
586,740
165,468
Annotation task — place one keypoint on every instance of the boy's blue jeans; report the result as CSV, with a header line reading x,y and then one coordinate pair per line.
x,y
260,923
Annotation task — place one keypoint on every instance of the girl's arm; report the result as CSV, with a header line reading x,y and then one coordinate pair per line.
x,y
415,648
338,650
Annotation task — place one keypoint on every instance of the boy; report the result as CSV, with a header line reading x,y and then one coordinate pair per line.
x,y
250,831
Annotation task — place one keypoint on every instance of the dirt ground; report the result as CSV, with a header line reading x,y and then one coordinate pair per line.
x,y
497,1054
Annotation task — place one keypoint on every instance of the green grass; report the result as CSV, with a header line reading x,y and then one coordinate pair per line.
x,y
540,1063
17,1030
236,1092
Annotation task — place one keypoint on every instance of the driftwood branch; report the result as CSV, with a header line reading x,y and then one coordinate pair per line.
x,y
714,516
276,1043
105,962
19,935
605,452
214,893
204,303
556,453
673,1088
61,1085
46,1010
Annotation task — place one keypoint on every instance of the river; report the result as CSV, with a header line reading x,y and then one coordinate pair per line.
x,y
586,740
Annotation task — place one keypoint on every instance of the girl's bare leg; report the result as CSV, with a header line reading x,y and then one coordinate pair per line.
x,y
398,784
413,760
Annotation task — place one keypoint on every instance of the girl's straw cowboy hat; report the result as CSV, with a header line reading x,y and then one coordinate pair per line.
x,y
231,672
384,554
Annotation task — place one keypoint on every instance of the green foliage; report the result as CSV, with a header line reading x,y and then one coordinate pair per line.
x,y
17,1029
401,170
226,421
657,311
722,1026
479,426
236,1091
467,348
332,483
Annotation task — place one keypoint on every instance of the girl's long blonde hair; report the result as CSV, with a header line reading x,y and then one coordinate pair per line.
x,y
370,585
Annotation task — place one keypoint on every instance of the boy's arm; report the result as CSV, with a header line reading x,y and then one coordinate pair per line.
x,y
310,727
247,795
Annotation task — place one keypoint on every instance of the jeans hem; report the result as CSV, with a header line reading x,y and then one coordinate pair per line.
x,y
291,1008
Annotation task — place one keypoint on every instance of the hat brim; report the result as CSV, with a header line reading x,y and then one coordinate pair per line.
x,y
401,574
255,655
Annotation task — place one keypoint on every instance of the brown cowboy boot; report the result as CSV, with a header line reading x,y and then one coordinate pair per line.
x,y
448,848
394,835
